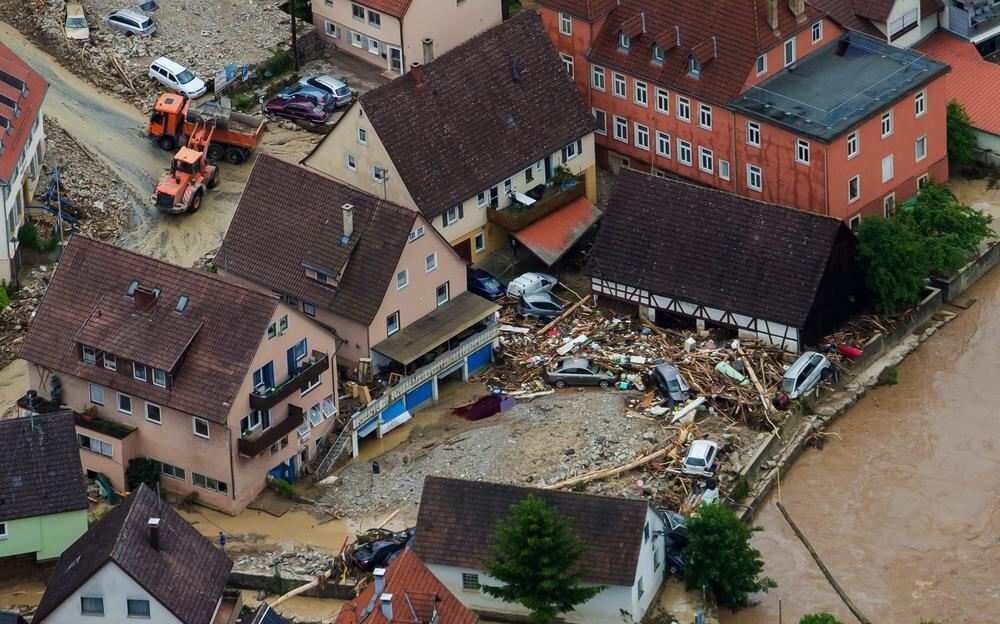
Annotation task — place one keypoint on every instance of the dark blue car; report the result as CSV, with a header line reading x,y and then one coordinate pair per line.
x,y
484,284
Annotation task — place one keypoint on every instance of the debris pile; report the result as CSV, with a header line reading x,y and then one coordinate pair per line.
x,y
15,318
289,558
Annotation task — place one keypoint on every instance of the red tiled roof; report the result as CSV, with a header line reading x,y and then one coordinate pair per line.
x,y
586,9
395,8
973,81
842,12
877,10
411,584
233,322
741,34
551,236
28,103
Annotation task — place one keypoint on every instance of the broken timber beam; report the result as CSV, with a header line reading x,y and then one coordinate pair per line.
x,y
552,324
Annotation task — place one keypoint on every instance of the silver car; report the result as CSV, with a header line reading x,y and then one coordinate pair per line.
x,y
668,379
805,373
342,95
540,305
579,372
131,23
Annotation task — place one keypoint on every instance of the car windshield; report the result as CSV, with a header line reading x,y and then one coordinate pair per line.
x,y
76,22
491,283
185,76
695,461
343,91
593,368
788,384
673,386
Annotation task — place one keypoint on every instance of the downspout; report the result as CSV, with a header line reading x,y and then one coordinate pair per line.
x,y
402,49
232,470
734,171
826,177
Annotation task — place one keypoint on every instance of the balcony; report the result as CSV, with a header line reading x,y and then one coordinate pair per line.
x,y
973,20
266,399
518,216
256,445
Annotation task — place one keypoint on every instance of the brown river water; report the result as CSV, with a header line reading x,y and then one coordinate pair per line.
x,y
903,507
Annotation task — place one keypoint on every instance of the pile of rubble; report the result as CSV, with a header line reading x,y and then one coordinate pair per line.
x,y
289,558
15,318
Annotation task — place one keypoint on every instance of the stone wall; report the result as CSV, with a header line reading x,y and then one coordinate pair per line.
x,y
955,285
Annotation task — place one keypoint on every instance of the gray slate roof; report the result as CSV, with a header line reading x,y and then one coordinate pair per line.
x,y
40,472
187,575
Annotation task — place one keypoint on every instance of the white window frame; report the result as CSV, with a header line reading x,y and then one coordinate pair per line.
x,y
448,220
658,54
159,411
352,163
683,109
92,612
888,168
753,171
601,118
920,104
856,180
889,205
331,29
597,78
194,428
360,16
916,147
389,323
3,531
854,222
902,23
802,151
662,139
403,279
92,399
788,46
377,22
887,124
616,80
136,367
706,155
118,402
724,172
624,41
761,65
620,122
855,139
684,147
662,101
816,31
89,353
753,134
567,62
470,582
640,93
110,362
431,263
163,378
565,24
705,116
362,136
378,174
416,233
220,486
479,242
447,294
641,135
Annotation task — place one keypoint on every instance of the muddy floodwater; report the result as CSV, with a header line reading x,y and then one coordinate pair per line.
x,y
904,506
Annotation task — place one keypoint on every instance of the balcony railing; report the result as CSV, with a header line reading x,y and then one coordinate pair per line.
x,y
517,216
266,399
252,446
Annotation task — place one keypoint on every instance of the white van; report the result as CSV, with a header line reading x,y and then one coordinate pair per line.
x,y
176,77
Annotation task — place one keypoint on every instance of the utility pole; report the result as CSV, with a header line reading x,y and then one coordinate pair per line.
x,y
295,46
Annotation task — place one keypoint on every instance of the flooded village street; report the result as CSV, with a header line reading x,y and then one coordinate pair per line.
x,y
902,503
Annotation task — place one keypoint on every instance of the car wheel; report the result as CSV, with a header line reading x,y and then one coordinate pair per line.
x,y
560,383
235,156
604,383
167,142
215,152
674,570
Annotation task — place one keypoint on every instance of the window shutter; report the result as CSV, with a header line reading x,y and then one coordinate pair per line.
x,y
579,147
565,153
461,212
444,219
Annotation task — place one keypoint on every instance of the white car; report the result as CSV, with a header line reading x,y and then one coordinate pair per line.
x,y
700,458
177,77
531,284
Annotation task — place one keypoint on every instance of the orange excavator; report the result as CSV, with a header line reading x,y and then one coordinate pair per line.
x,y
190,177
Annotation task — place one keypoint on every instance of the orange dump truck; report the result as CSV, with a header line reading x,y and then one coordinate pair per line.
x,y
235,134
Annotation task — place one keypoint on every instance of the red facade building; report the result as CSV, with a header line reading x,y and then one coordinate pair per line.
x,y
771,100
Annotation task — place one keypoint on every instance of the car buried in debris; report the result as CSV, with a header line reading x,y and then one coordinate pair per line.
x,y
579,372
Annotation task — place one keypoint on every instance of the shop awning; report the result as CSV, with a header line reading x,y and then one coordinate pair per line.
x,y
449,320
551,237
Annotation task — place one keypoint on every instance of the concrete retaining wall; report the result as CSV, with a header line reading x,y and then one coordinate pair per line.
x,y
967,275
878,344
286,583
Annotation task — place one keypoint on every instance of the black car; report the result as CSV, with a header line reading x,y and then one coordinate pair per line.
x,y
379,553
484,284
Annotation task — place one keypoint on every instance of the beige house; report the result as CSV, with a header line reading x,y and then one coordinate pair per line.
x,y
393,33
221,384
474,142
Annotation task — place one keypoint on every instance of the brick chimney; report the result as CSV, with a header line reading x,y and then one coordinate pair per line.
x,y
386,602
348,211
772,14
417,73
144,298
154,533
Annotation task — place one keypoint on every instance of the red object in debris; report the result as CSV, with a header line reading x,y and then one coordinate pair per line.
x,y
849,351
553,333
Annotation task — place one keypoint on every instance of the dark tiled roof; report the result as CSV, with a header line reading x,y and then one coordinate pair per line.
x,y
741,34
27,100
7,617
712,248
928,7
415,593
93,275
471,124
877,10
270,251
457,518
187,575
587,9
842,12
40,471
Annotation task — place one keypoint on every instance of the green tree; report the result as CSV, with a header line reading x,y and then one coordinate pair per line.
x,y
819,618
719,556
536,555
895,261
4,297
142,470
951,229
962,143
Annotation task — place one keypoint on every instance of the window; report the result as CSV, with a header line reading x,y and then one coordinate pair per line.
x,y
251,422
706,160
724,169
332,30
441,294
645,533
308,309
618,84
853,189
920,104
684,152
886,124
93,444
374,19
683,109
755,178
357,40
159,378
621,129
362,136
414,235
705,116
378,174
209,483
352,162
602,128
431,262
902,25
889,205
921,148
753,133
662,144
571,151
662,101
565,24
761,64
922,181
639,588
89,355
3,530
855,222
452,215
658,55
137,608
173,471
494,196
91,606
153,413
272,332
817,31
789,52
694,67
656,560
392,323
640,93
358,12
887,168
641,136
470,582
124,403
96,394
624,42
597,78
480,242
802,151
139,371
853,145
402,279
200,427
283,324
567,61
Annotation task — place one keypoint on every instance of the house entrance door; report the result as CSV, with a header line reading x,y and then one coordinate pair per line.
x,y
396,60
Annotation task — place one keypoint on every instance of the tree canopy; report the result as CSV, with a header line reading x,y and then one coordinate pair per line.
x,y
962,141
819,618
